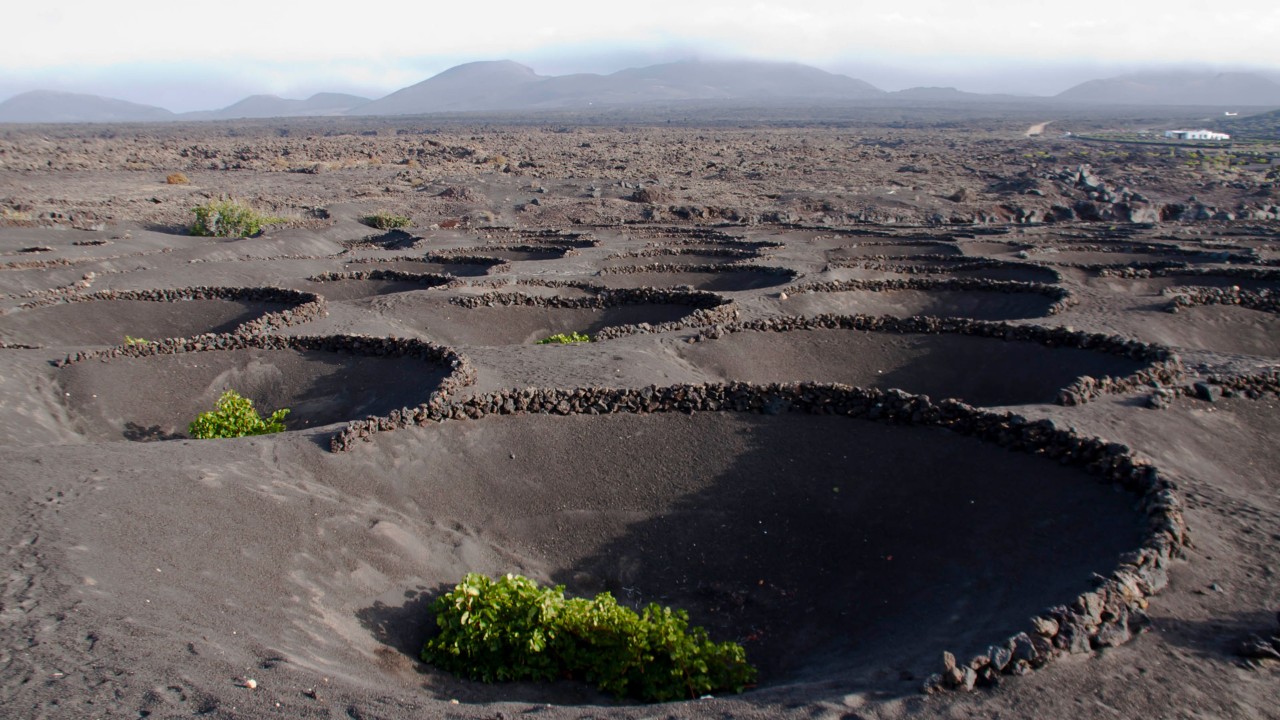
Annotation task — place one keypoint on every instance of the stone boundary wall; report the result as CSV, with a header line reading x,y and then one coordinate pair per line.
x,y
1156,249
912,264
461,371
1105,267
1249,273
560,249
731,243
710,307
55,262
1252,386
1062,297
62,291
576,284
908,241
669,268
648,231
1165,368
306,306
1191,296
458,256
424,279
650,252
389,239
578,239
1106,616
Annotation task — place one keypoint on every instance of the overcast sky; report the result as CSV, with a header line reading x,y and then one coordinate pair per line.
x,y
192,55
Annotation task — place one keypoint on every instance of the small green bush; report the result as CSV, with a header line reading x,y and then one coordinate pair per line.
x,y
563,339
512,629
132,341
383,220
235,416
228,218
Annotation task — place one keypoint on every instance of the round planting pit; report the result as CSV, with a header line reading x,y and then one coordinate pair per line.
x,y
1220,328
680,256
865,250
980,269
1156,283
1129,254
522,319
710,278
982,371
521,253
932,299
372,283
427,267
106,318
836,550
152,397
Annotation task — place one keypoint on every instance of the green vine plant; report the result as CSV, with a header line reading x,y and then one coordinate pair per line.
x,y
563,339
383,220
513,629
228,218
233,417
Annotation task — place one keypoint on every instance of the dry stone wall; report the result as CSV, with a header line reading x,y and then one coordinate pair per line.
x,y
305,306
461,371
1106,616
1061,296
673,268
1164,367
1186,297
710,308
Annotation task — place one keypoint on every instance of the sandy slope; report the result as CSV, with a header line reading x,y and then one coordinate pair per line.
x,y
152,578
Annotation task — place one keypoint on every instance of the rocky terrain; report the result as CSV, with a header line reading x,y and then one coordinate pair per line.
x,y
940,416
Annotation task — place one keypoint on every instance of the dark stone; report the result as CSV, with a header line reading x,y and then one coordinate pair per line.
x,y
1205,391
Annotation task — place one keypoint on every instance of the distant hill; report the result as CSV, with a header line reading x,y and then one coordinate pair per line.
x,y
1263,126
48,106
473,86
1215,89
506,85
269,106
950,94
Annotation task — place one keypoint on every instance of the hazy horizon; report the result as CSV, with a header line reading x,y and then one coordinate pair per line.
x,y
185,58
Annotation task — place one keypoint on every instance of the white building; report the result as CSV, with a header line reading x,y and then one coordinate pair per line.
x,y
1195,135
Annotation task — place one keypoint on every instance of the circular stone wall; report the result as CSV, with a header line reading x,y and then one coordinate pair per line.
x,y
157,396
446,322
982,268
974,304
107,322
421,267
521,253
683,257
981,371
720,278
866,250
1220,328
833,548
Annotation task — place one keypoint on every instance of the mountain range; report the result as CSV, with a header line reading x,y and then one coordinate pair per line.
x,y
504,85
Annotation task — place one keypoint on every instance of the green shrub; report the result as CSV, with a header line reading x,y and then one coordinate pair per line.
x,y
563,339
383,220
132,341
228,218
512,629
235,416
